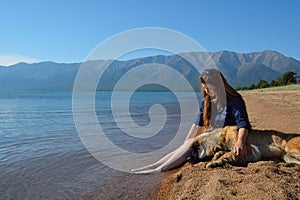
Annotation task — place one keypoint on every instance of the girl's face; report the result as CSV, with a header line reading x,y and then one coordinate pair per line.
x,y
209,89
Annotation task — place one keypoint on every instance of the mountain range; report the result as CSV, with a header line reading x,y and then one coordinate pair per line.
x,y
240,69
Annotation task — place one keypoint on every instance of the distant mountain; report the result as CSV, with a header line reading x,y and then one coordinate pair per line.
x,y
38,76
240,69
249,68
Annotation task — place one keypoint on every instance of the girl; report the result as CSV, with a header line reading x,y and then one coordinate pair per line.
x,y
221,106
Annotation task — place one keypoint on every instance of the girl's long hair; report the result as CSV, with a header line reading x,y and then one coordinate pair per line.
x,y
222,90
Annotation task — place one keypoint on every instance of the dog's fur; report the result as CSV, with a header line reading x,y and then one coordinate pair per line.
x,y
267,144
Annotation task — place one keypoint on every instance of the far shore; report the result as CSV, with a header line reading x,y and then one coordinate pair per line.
x,y
291,87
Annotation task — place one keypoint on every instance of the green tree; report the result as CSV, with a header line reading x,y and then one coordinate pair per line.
x,y
287,78
262,84
274,83
253,86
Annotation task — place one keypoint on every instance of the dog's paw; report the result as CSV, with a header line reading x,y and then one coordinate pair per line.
x,y
211,165
218,155
217,148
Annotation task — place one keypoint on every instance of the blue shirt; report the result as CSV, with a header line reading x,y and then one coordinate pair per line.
x,y
234,114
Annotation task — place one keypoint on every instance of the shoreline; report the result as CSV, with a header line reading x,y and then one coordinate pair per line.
x,y
272,110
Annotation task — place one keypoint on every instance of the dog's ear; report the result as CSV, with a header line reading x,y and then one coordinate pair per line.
x,y
195,144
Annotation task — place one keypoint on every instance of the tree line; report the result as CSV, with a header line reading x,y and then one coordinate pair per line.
x,y
286,79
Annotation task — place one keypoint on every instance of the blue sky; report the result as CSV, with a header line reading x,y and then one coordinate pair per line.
x,y
67,30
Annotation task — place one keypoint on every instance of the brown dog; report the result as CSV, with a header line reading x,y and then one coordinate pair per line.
x,y
267,144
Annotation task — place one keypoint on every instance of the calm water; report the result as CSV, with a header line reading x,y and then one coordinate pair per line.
x,y
42,156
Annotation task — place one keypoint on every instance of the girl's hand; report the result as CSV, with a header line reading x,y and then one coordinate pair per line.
x,y
240,150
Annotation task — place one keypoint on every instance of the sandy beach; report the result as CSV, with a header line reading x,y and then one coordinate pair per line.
x,y
279,111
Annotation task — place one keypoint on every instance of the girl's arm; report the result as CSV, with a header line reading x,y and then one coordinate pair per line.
x,y
240,148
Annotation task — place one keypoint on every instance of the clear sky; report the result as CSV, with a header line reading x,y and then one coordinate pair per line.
x,y
67,30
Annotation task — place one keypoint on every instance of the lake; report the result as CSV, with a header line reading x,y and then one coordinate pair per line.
x,y
43,157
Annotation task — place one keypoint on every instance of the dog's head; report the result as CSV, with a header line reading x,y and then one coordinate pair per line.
x,y
197,152
203,144
198,149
